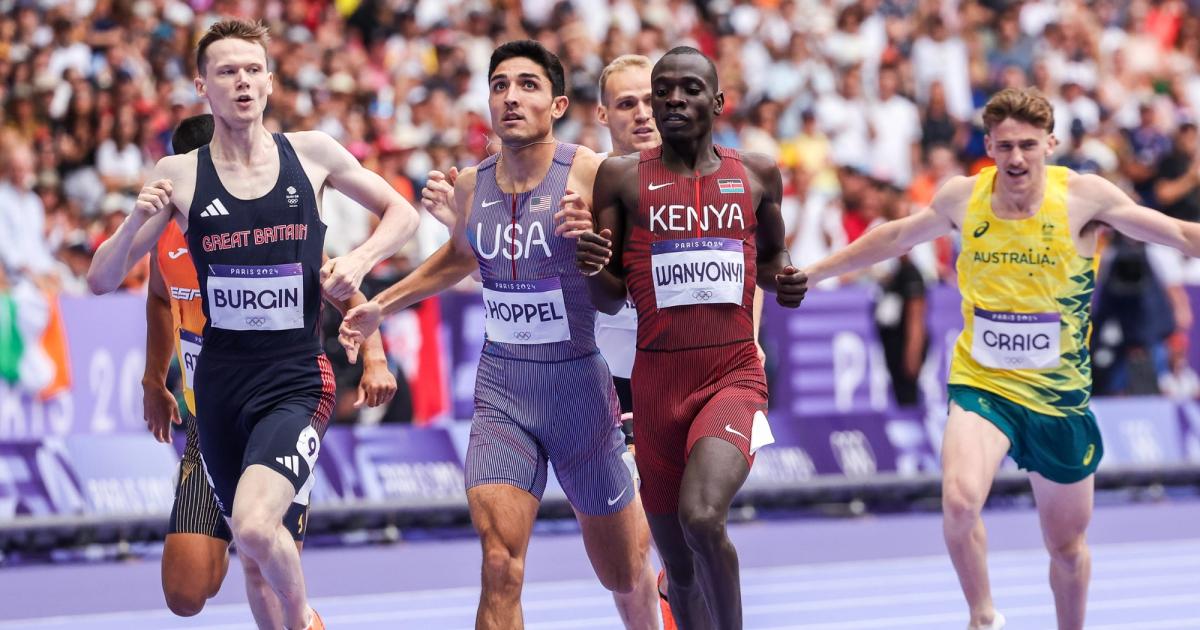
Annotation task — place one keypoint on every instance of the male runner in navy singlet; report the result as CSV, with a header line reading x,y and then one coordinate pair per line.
x,y
248,205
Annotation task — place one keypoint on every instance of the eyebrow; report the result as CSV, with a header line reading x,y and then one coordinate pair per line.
x,y
681,78
523,75
235,64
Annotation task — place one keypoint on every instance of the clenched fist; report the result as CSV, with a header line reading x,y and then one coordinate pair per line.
x,y
153,198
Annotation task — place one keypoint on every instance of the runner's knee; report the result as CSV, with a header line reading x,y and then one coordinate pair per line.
x,y
185,597
503,571
1070,552
962,501
703,526
254,533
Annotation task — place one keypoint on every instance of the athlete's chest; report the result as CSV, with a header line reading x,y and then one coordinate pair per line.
x,y
1046,241
515,227
667,204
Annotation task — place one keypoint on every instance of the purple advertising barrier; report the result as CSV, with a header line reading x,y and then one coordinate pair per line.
x,y
393,463
106,339
1189,427
852,445
828,360
1141,431
123,474
36,479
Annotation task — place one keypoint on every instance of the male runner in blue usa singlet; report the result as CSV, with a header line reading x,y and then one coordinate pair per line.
x,y
543,392
248,204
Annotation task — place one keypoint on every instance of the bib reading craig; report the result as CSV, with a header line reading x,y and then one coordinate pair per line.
x,y
525,311
259,297
698,271
1016,341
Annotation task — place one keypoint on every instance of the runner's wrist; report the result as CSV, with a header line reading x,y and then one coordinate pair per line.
x,y
154,381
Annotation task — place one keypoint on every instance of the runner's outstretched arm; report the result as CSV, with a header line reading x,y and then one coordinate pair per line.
x,y
448,265
1111,206
342,276
894,238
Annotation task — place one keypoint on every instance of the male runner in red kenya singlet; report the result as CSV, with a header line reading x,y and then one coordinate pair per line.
x,y
689,228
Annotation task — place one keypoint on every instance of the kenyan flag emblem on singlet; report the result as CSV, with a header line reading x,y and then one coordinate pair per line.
x,y
731,186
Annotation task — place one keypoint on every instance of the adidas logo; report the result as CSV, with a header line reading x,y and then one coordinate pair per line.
x,y
215,208
292,462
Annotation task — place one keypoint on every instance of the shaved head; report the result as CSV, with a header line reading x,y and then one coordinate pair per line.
x,y
710,77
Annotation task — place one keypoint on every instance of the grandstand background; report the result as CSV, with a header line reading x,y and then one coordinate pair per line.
x,y
867,105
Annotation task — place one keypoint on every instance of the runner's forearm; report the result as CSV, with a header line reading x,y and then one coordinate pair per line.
x,y
770,267
160,332
397,224
114,258
442,270
607,292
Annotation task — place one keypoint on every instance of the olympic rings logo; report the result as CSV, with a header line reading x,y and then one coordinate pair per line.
x,y
257,322
703,295
523,335
1014,360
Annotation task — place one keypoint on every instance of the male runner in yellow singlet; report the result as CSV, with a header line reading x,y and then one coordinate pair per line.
x,y
1021,377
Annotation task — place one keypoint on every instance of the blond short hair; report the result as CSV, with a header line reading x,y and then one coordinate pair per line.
x,y
230,28
1027,105
623,62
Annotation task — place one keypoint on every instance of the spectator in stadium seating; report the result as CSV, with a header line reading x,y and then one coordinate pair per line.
x,y
23,251
895,131
938,127
1075,158
842,115
1177,177
1147,145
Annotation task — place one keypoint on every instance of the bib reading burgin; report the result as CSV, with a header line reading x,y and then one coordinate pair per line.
x,y
1026,300
258,262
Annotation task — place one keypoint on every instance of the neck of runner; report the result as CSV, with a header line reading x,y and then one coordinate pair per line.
x,y
521,168
691,157
249,145
1017,203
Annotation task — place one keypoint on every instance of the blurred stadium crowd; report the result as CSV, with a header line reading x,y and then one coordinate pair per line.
x,y
868,106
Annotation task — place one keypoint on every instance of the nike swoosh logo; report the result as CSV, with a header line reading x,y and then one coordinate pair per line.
x,y
177,253
657,186
488,204
613,501
736,432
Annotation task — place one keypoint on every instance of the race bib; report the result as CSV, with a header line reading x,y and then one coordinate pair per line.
x,y
189,351
698,271
267,297
1016,341
525,311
